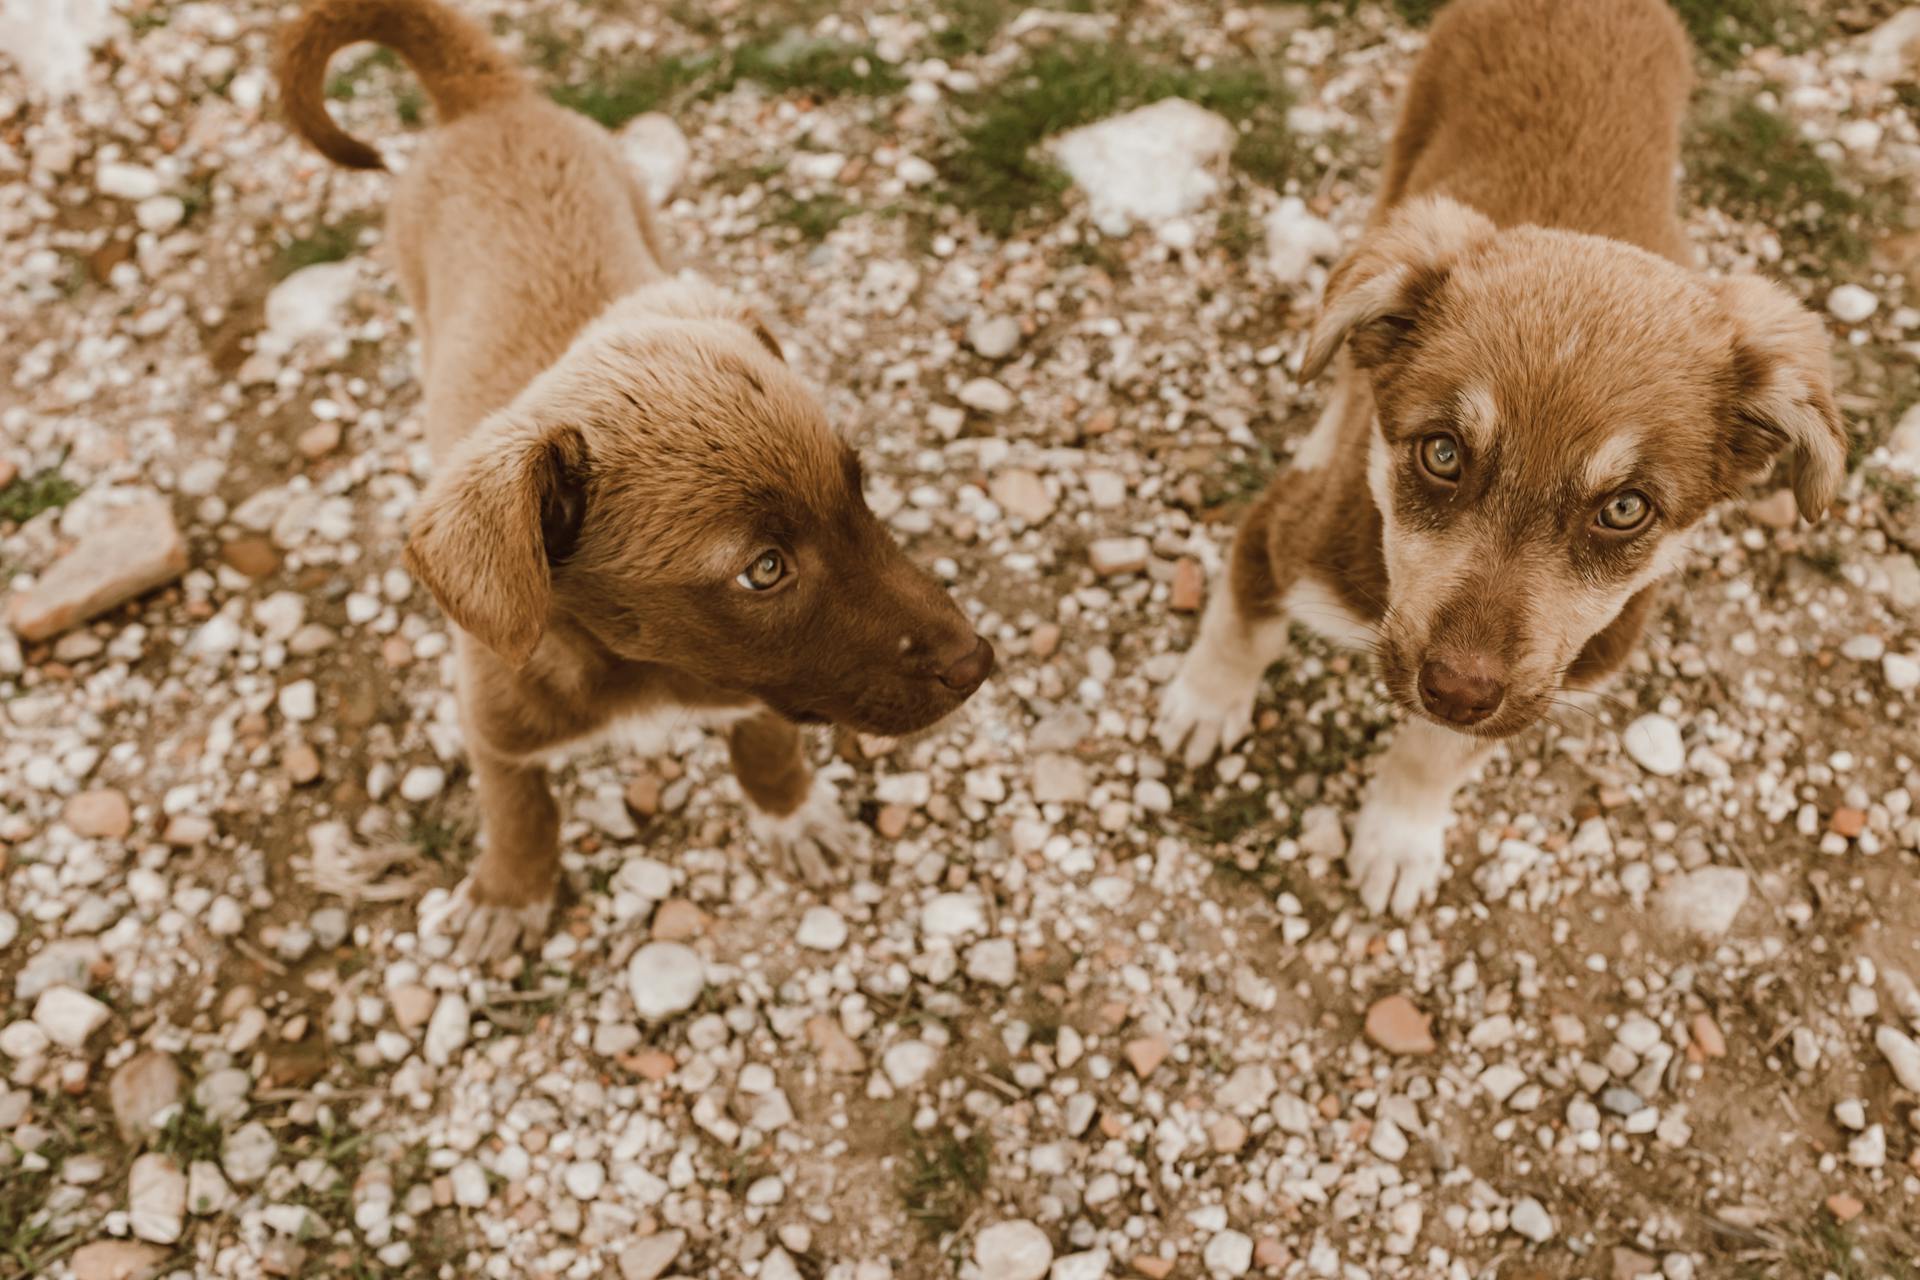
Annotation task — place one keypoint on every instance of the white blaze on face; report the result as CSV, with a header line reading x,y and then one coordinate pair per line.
x,y
1608,466
1479,415
1422,568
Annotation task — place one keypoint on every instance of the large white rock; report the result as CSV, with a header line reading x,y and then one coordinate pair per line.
x,y
1148,165
1013,1250
50,42
157,1199
1296,239
1703,902
1654,743
1892,49
1901,1053
658,152
1904,443
310,303
68,1017
136,549
666,978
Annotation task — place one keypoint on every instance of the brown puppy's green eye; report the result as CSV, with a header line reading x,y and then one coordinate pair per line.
x,y
1625,511
1440,457
764,573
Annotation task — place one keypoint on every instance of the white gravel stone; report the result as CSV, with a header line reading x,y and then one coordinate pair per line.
x,y
1229,1253
1851,304
994,337
1296,239
157,1199
1013,1250
953,915
1704,902
649,1257
447,1030
1529,1218
1095,1264
821,929
909,1062
1901,1053
1147,165
68,1017
1654,743
665,978
993,961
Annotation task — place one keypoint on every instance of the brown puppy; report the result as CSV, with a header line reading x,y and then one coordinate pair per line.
x,y
639,513
1539,399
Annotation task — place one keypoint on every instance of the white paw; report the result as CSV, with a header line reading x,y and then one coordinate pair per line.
x,y
1397,857
483,932
814,839
1207,708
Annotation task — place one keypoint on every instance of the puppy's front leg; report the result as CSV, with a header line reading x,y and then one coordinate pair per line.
x,y
1399,847
505,902
796,814
1208,706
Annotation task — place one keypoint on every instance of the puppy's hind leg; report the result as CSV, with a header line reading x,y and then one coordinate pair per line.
x,y
1398,853
796,813
1208,706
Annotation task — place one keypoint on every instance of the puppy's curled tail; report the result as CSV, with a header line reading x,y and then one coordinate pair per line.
x,y
456,61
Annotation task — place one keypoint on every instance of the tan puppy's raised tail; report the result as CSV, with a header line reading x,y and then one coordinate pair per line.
x,y
456,60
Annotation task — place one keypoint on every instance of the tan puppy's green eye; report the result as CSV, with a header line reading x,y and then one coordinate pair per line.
x,y
1440,457
764,573
1625,511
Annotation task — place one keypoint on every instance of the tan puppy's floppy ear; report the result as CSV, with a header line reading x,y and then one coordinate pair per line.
x,y
1782,392
1376,293
503,510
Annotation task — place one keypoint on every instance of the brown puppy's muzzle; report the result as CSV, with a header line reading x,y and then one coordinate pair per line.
x,y
1463,693
969,671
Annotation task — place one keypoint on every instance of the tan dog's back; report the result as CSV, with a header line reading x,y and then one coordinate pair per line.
x,y
515,225
1559,113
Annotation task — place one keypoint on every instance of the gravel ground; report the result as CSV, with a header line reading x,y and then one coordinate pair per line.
x,y
1080,1013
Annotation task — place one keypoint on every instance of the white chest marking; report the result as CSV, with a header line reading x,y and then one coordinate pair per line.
x,y
651,733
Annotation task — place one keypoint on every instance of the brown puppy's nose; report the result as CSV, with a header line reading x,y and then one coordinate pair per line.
x,y
1457,696
964,674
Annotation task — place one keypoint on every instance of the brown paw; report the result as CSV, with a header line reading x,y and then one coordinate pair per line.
x,y
483,932
814,840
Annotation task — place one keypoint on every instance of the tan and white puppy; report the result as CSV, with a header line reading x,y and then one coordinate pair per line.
x,y
1539,397
639,514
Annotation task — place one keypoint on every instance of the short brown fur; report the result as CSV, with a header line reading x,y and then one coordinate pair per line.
x,y
614,452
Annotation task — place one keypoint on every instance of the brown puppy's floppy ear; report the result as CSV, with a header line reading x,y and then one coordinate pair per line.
x,y
504,509
1376,293
1781,397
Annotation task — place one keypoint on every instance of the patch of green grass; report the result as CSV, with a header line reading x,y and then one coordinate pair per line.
x,y
27,496
434,837
1720,28
1417,12
794,62
814,218
969,26
332,242
995,171
1224,820
944,1178
28,1243
614,94
189,1135
1752,162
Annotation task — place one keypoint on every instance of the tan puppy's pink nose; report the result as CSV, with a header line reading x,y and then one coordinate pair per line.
x,y
965,674
1456,696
